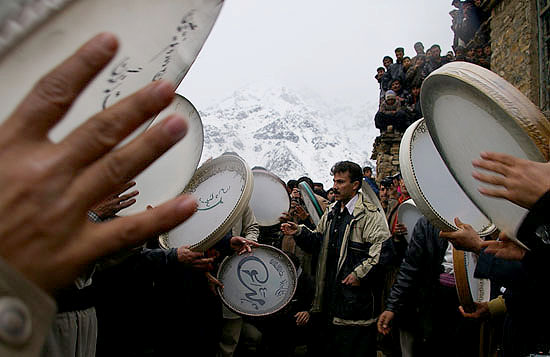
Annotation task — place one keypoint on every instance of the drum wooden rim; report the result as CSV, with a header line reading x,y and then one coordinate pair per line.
x,y
413,187
462,282
200,176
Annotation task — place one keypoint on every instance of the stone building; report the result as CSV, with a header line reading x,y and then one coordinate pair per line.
x,y
519,34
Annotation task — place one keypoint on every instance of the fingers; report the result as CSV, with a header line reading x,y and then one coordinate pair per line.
x,y
123,164
105,130
490,179
53,95
125,187
132,230
126,204
502,158
493,166
128,195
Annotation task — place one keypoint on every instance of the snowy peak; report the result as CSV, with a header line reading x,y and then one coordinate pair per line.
x,y
286,132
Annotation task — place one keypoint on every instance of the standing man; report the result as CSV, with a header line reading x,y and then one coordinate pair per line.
x,y
348,240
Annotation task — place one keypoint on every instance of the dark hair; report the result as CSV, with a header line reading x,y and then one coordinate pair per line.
x,y
386,182
292,184
306,180
418,43
330,190
396,80
404,58
399,49
387,57
435,46
367,168
380,68
354,170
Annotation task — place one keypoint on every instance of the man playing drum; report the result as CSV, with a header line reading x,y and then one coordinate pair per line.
x,y
348,240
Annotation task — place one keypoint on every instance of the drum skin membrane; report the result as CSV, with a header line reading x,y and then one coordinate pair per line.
x,y
469,110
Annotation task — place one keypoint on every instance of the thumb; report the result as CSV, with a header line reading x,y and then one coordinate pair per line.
x,y
458,222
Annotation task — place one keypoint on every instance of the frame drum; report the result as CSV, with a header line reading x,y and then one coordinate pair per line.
x,y
269,198
310,201
169,175
259,283
432,187
469,289
408,214
222,187
158,40
373,198
468,110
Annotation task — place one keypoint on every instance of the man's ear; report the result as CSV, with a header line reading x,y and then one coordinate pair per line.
x,y
356,185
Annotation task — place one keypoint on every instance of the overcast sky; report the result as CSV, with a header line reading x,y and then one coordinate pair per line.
x,y
331,47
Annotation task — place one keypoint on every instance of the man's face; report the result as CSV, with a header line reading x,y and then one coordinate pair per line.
x,y
428,53
344,189
383,193
330,196
387,62
381,72
396,86
390,101
399,55
367,173
416,91
419,49
406,63
436,52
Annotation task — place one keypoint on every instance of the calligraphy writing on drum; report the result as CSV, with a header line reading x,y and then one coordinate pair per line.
x,y
213,200
253,275
122,69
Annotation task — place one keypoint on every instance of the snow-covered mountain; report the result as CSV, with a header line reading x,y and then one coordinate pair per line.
x,y
291,133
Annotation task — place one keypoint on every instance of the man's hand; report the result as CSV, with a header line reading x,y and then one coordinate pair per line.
x,y
285,217
302,318
242,245
213,283
384,322
504,248
400,229
195,260
301,213
112,204
289,228
46,188
351,280
466,238
523,182
482,311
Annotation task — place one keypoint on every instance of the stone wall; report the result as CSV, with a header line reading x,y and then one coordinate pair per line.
x,y
386,153
514,44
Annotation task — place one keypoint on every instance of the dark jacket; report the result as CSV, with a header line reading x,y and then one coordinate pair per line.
x,y
419,272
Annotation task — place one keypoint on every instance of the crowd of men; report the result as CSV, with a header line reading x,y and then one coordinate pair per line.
x,y
400,80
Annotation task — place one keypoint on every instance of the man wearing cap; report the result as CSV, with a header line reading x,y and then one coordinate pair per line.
x,y
390,113
348,240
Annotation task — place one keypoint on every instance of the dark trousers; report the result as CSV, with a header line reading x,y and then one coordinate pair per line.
x,y
399,120
351,341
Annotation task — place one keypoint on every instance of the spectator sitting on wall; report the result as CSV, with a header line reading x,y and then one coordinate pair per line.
x,y
415,74
470,54
380,71
387,61
460,53
391,114
435,60
406,67
401,94
413,107
396,69
419,49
